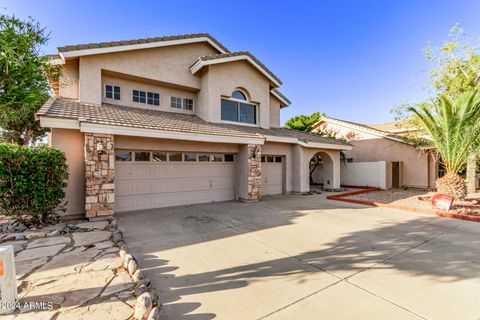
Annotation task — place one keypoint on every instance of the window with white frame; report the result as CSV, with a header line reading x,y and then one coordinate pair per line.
x,y
181,103
151,98
112,92
238,109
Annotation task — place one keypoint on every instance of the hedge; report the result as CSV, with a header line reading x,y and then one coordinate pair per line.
x,y
32,181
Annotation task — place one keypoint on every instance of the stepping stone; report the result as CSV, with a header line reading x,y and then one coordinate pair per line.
x,y
93,225
106,262
121,282
17,245
89,238
35,253
65,263
104,245
24,267
70,291
48,242
111,309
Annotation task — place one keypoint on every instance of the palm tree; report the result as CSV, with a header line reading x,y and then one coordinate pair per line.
x,y
453,128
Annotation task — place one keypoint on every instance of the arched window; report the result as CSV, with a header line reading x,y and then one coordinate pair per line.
x,y
234,110
237,94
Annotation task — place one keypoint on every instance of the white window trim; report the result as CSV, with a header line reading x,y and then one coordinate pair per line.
x,y
182,103
113,91
257,113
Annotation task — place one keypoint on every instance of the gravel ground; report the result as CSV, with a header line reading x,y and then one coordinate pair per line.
x,y
410,197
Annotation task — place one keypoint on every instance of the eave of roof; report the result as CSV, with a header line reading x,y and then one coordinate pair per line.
x,y
235,56
65,111
125,45
284,100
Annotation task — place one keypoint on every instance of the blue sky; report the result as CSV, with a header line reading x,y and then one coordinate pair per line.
x,y
353,60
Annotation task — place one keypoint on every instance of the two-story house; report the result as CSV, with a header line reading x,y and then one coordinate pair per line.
x,y
175,120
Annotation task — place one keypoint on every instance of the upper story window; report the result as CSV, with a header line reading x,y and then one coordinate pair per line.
x,y
112,92
237,109
151,98
181,103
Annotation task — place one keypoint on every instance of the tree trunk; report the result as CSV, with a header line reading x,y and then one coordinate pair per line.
x,y
471,173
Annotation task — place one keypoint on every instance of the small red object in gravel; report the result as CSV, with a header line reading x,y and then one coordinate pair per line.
x,y
442,201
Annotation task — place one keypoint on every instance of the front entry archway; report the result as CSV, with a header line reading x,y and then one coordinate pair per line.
x,y
321,170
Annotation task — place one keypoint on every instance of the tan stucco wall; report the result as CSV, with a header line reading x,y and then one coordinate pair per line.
x,y
369,147
126,94
274,112
222,79
69,80
168,64
72,143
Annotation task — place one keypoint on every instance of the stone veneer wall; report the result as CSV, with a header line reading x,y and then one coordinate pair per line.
x,y
254,171
99,173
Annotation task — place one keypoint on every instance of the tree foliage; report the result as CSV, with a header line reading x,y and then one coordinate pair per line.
x,y
453,127
303,122
456,70
32,181
24,75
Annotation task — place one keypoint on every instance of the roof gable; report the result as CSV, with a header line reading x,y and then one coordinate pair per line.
x,y
235,56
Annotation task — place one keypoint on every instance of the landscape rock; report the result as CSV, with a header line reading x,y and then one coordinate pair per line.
x,y
20,237
141,290
126,259
43,242
137,275
154,314
132,266
154,296
122,253
35,253
143,306
117,236
144,281
35,235
90,238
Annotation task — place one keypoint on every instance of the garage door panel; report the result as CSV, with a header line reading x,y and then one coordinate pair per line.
x,y
124,188
153,185
123,172
272,178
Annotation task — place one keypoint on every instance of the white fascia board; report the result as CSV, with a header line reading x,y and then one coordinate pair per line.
x,y
200,64
59,123
152,133
276,95
86,52
307,144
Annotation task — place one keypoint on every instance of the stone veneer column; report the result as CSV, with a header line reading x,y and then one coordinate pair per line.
x,y
254,173
99,174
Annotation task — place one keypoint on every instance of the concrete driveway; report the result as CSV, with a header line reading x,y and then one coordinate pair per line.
x,y
305,257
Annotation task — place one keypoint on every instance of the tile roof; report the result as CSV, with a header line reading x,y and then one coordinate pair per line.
x,y
386,134
161,120
138,41
236,54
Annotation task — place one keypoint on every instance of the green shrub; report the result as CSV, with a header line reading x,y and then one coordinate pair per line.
x,y
32,181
